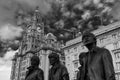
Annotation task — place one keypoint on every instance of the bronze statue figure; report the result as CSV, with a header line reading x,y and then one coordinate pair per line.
x,y
98,62
34,72
58,71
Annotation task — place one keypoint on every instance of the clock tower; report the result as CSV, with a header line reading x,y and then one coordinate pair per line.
x,y
33,38
35,33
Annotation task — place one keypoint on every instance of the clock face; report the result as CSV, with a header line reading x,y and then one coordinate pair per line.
x,y
39,29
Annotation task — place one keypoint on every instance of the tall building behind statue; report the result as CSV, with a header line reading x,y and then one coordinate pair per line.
x,y
33,38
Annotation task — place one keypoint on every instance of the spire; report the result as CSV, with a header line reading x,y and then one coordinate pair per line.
x,y
36,13
35,18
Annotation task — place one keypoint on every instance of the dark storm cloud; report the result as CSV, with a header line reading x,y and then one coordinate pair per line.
x,y
116,10
9,7
8,28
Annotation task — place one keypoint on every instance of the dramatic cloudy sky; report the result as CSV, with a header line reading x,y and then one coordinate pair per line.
x,y
5,65
8,29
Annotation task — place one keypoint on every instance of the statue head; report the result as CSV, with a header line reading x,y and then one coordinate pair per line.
x,y
35,60
88,39
53,58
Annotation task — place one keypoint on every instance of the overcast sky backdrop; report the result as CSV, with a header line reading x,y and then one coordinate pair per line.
x,y
5,65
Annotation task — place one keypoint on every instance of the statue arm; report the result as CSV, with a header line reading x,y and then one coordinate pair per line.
x,y
65,74
108,66
40,75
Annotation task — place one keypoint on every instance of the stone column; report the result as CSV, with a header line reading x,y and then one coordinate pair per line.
x,y
46,72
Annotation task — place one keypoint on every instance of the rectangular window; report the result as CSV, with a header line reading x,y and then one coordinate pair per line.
x,y
119,77
76,64
101,40
116,55
118,66
75,56
116,45
118,34
68,58
116,76
114,36
68,50
119,55
75,49
75,75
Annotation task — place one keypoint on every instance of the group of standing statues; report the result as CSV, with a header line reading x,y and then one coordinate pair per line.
x,y
96,64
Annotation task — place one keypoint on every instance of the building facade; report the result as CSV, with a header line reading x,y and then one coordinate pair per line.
x,y
33,41
14,67
107,36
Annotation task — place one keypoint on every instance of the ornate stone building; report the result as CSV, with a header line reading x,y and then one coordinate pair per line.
x,y
14,71
32,43
107,36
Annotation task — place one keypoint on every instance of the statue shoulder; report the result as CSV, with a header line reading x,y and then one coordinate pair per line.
x,y
39,70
